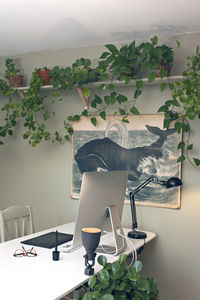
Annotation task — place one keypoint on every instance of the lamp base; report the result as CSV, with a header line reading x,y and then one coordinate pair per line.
x,y
137,234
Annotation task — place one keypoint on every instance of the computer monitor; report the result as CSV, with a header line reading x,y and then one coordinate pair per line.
x,y
101,203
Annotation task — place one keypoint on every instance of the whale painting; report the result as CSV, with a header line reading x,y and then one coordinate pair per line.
x,y
143,148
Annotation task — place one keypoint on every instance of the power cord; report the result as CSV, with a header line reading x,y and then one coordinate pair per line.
x,y
133,249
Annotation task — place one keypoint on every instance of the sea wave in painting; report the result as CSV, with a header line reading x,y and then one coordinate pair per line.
x,y
163,168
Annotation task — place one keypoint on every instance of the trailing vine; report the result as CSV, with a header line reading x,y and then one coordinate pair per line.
x,y
126,64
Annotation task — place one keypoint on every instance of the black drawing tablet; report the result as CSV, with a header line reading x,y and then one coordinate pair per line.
x,y
48,240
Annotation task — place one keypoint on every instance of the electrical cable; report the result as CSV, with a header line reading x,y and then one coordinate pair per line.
x,y
133,249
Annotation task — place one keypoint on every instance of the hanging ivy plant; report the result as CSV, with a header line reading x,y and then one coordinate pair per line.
x,y
185,102
127,64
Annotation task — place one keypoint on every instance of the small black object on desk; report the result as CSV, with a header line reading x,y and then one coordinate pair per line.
x,y
90,238
56,253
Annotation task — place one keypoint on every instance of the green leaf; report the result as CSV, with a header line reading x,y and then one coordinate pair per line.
x,y
152,76
87,296
102,260
93,121
178,43
185,127
111,87
197,161
121,98
115,267
98,99
86,92
103,275
122,258
138,266
181,158
85,113
139,84
134,110
143,284
178,127
112,48
163,73
104,55
107,99
181,145
93,103
76,118
163,108
103,114
102,87
171,86
137,93
190,147
125,120
163,86
92,281
154,40
122,111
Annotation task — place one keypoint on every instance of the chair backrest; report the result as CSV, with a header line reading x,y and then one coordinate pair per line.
x,y
15,221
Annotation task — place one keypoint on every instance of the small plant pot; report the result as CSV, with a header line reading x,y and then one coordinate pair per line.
x,y
15,80
164,66
45,75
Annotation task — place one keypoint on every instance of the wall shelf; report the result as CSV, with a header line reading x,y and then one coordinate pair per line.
x,y
157,81
117,83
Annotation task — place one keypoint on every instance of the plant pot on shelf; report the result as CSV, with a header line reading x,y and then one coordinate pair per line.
x,y
15,80
45,75
164,66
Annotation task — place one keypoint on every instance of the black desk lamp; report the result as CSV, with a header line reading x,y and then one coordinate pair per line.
x,y
171,182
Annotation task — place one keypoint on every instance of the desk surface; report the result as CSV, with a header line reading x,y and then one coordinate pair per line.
x,y
41,278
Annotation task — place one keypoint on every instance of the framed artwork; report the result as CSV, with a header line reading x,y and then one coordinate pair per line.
x,y
141,146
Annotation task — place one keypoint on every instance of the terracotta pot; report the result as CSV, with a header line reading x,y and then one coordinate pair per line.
x,y
44,74
15,80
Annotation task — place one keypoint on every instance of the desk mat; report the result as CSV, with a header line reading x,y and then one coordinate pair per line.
x,y
48,240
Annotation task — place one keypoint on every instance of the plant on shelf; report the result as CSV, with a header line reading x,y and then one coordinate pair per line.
x,y
165,55
12,73
116,281
44,73
128,64
185,102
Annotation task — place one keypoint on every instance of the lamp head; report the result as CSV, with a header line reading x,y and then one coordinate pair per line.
x,y
173,182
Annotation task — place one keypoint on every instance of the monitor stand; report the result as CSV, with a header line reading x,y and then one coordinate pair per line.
x,y
117,234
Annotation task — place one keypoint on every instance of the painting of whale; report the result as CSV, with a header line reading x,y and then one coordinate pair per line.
x,y
142,147
104,154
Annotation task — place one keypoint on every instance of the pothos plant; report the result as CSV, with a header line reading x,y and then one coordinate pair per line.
x,y
126,64
116,281
185,103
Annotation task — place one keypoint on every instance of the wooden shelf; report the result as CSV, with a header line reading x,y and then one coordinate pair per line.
x,y
157,81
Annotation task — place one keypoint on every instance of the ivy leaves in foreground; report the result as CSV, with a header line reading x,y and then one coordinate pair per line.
x,y
116,281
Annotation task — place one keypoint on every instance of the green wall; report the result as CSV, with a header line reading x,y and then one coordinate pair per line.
x,y
41,177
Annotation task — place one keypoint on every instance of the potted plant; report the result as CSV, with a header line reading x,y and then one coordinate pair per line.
x,y
166,57
12,73
44,74
123,63
116,281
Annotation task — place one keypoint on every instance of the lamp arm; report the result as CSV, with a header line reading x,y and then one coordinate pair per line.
x,y
150,179
132,198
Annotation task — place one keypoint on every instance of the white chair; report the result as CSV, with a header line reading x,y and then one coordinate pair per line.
x,y
15,221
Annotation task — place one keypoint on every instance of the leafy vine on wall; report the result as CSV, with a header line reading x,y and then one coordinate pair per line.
x,y
128,64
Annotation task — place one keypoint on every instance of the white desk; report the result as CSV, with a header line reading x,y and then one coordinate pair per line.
x,y
41,278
